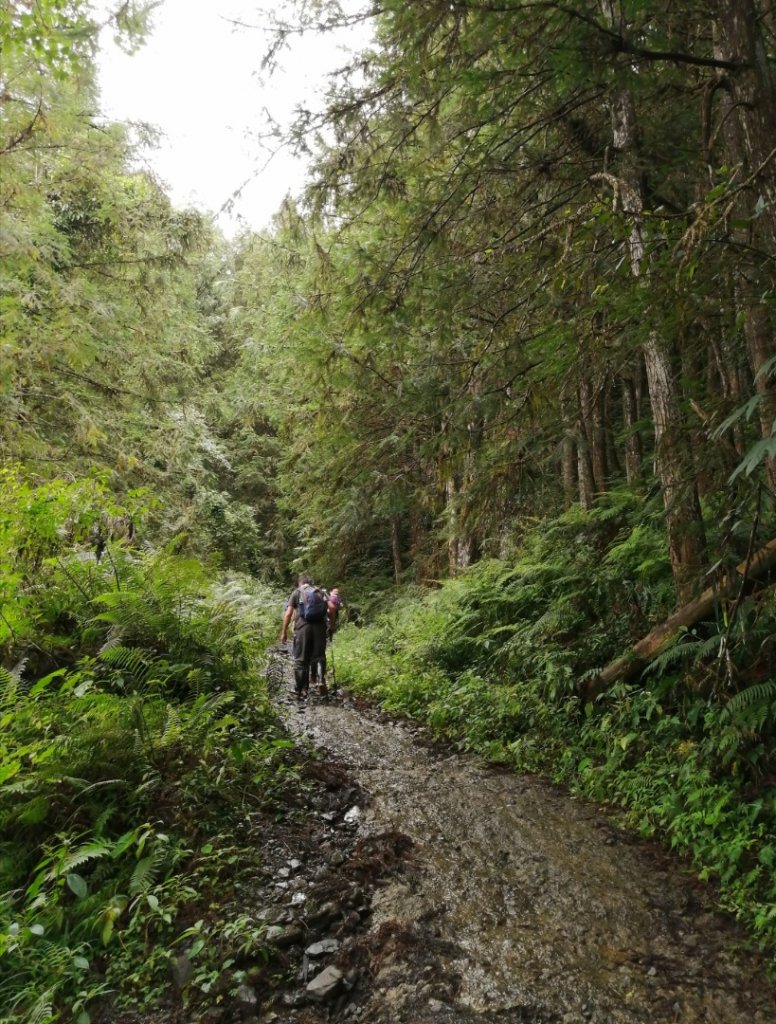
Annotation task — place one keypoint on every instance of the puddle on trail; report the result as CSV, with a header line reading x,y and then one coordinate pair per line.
x,y
548,913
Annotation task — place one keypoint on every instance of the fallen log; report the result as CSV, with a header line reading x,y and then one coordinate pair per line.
x,y
631,663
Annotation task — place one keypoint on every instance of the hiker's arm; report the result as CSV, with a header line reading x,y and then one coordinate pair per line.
x,y
331,611
289,613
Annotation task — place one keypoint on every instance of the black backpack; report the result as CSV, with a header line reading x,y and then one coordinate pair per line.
x,y
313,605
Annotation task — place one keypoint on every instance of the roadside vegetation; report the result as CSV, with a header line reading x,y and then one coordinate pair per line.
x,y
136,742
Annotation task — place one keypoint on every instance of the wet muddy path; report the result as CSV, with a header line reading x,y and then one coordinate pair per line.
x,y
523,904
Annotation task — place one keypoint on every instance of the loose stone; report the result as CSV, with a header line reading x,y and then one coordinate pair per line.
x,y
325,985
322,948
281,937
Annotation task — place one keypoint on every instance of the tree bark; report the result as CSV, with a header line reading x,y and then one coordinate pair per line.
x,y
584,470
593,423
396,548
568,469
634,471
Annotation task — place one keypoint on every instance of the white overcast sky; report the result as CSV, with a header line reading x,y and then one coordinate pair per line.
x,y
197,79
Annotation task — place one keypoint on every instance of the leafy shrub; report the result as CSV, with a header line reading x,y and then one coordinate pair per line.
x,y
132,713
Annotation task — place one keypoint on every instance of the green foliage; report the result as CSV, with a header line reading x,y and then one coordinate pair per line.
x,y
150,719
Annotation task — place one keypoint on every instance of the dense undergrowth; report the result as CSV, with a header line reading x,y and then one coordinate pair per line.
x,y
494,658
133,743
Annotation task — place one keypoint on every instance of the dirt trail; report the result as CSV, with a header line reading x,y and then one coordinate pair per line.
x,y
523,903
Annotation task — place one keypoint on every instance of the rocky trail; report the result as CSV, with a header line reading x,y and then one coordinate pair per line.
x,y
496,898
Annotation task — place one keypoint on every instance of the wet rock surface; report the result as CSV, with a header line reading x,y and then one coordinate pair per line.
x,y
504,899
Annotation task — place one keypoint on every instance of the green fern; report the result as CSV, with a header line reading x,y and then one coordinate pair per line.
x,y
132,662
147,871
84,854
760,694
9,688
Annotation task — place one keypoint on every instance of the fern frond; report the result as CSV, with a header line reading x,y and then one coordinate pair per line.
x,y
9,688
146,872
172,728
42,1011
91,851
113,640
131,661
759,694
670,656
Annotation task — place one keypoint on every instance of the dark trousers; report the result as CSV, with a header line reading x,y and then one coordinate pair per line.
x,y
309,649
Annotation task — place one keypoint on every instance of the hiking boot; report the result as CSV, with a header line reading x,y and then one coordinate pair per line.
x,y
323,690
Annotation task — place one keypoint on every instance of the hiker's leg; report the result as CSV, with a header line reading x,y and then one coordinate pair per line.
x,y
302,657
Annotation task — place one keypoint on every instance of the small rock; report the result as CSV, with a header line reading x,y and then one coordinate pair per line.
x,y
293,1000
295,865
353,816
322,948
652,972
246,998
284,872
212,1015
325,985
323,914
350,980
337,859
435,1006
298,898
281,937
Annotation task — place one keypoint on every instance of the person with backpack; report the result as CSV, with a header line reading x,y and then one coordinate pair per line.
x,y
313,615
318,667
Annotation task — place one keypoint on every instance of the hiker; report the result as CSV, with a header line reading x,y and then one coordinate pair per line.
x,y
335,600
313,615
318,668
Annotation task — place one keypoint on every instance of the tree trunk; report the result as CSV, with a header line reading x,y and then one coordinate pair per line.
x,y
568,469
613,465
452,526
593,424
584,470
674,464
634,471
396,548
